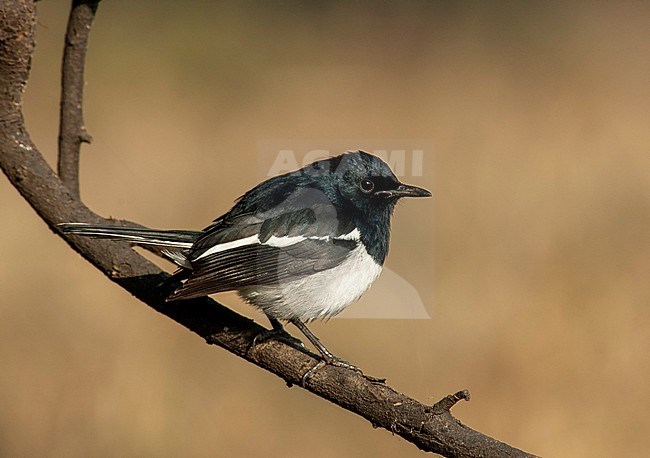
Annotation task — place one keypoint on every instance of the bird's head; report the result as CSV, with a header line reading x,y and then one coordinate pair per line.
x,y
366,182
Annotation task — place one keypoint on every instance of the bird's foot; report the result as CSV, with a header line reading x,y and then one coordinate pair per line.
x,y
275,334
337,362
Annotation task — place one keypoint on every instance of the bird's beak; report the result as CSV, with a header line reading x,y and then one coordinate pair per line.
x,y
405,190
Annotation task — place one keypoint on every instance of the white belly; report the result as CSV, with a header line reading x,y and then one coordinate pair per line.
x,y
321,295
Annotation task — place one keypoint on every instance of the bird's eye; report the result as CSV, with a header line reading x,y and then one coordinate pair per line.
x,y
367,185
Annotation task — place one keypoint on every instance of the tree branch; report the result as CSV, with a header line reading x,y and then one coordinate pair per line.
x,y
72,131
431,428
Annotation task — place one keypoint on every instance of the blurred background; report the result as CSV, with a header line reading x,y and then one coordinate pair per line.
x,y
532,258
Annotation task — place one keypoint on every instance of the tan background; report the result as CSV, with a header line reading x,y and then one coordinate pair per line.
x,y
538,229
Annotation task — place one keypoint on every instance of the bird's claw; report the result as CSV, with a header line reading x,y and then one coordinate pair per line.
x,y
307,375
328,360
338,362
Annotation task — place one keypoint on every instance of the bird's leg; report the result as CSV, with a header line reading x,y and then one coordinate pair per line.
x,y
277,326
278,332
328,356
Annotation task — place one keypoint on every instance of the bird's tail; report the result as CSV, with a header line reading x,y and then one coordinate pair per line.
x,y
174,245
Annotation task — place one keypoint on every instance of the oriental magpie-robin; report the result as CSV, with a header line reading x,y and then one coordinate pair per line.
x,y
299,246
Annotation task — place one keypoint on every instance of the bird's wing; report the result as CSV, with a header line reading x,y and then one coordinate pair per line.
x,y
268,263
263,249
304,211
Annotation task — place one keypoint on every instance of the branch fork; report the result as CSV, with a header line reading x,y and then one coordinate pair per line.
x,y
55,198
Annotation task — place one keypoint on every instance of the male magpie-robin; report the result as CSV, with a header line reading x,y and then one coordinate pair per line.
x,y
299,246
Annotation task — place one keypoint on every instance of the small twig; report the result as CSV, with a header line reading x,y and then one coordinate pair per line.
x,y
72,131
446,403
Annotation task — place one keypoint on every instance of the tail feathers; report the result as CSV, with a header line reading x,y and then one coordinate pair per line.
x,y
173,245
138,236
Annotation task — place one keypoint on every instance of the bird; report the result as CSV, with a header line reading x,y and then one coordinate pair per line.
x,y
300,246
